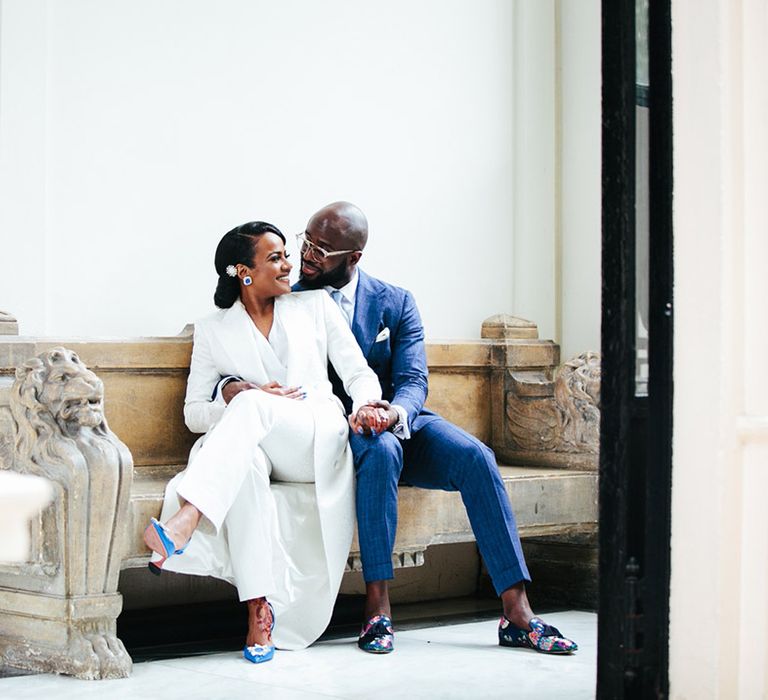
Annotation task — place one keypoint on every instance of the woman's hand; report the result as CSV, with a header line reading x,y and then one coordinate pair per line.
x,y
232,389
289,392
373,418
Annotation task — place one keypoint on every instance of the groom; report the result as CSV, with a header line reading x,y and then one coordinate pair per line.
x,y
413,445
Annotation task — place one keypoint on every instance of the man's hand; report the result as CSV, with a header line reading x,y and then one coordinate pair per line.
x,y
232,389
373,418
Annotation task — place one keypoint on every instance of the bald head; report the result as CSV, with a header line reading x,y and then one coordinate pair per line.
x,y
341,230
344,222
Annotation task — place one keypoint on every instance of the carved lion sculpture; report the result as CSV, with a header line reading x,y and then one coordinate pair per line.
x,y
577,395
568,420
61,434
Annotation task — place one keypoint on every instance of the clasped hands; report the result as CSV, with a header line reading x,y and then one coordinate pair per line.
x,y
371,419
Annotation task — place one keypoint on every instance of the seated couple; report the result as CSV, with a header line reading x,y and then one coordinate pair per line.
x,y
296,394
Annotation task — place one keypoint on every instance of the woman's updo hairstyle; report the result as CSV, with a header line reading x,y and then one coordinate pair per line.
x,y
237,246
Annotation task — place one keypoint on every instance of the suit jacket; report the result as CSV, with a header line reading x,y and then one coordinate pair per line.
x,y
398,358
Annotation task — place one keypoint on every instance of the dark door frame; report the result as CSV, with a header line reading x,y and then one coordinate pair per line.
x,y
635,431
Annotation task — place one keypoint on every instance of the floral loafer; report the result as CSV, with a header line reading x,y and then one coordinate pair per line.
x,y
539,637
377,635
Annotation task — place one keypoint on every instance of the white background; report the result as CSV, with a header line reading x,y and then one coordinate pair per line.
x,y
134,134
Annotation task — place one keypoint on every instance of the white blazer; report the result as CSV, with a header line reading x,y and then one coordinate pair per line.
x,y
318,332
225,345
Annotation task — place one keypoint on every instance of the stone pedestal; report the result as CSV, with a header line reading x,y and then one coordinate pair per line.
x,y
70,634
542,414
58,608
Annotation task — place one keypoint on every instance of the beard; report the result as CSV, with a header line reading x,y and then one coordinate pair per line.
x,y
335,277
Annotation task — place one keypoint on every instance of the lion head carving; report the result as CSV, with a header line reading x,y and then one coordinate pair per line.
x,y
567,421
577,394
54,398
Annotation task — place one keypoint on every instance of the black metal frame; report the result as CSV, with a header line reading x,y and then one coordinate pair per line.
x,y
636,432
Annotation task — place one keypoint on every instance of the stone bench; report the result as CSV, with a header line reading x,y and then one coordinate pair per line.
x,y
505,389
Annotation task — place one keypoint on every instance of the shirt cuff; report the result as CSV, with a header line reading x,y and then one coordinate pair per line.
x,y
218,397
401,429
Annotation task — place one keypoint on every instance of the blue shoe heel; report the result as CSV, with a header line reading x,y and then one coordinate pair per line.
x,y
154,534
259,653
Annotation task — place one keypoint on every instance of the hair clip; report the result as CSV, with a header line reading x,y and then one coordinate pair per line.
x,y
231,270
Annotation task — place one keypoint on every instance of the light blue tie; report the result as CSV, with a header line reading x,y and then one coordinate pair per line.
x,y
340,300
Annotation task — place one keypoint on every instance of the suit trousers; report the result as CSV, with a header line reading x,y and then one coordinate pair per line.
x,y
230,483
439,455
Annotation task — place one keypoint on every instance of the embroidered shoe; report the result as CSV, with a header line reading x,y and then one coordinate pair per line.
x,y
539,637
259,653
377,635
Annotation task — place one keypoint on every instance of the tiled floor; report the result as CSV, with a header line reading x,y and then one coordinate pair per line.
x,y
447,661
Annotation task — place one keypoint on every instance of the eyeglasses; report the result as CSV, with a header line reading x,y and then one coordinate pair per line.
x,y
315,250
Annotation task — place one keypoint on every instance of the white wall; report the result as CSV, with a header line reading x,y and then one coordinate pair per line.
x,y
535,165
134,134
23,274
718,604
580,185
557,101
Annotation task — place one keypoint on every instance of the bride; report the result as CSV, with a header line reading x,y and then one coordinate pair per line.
x,y
266,501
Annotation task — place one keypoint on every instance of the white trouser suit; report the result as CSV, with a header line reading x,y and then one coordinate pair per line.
x,y
273,477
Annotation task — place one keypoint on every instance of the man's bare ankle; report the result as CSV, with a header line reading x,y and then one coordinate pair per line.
x,y
377,599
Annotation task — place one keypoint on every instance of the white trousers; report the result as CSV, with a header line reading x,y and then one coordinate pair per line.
x,y
231,488
262,529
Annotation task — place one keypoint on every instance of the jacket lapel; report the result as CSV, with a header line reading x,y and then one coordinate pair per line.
x,y
366,323
368,314
238,342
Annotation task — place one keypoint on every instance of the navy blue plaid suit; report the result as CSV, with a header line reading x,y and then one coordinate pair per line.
x,y
438,455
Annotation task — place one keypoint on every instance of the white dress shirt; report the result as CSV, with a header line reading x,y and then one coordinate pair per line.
x,y
348,292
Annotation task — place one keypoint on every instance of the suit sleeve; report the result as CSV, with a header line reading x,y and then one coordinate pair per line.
x,y
360,381
409,361
200,412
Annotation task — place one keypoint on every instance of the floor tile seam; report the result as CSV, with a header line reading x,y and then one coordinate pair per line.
x,y
248,680
496,648
474,646
430,642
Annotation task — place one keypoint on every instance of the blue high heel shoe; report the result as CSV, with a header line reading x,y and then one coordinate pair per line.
x,y
157,537
259,653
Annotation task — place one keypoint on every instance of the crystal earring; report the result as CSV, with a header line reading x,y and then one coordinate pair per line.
x,y
247,281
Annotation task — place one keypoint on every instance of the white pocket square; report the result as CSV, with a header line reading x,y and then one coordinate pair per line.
x,y
382,336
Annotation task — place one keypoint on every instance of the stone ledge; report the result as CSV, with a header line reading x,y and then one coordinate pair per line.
x,y
57,607
174,352
8,324
545,501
